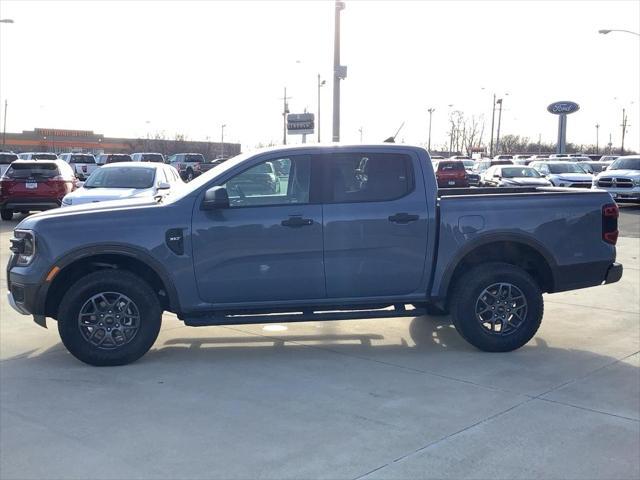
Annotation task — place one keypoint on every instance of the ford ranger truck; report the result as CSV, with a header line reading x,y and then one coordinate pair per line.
x,y
350,232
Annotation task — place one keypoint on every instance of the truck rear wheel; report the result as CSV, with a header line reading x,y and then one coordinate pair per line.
x,y
6,214
496,307
109,318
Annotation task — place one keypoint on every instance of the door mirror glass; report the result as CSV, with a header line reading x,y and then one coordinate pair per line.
x,y
164,186
215,198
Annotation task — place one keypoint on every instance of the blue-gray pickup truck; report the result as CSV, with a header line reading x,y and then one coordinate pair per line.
x,y
350,232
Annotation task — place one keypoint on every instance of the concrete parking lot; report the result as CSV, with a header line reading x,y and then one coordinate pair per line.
x,y
392,398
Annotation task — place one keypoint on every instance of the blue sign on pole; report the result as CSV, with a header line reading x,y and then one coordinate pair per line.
x,y
562,109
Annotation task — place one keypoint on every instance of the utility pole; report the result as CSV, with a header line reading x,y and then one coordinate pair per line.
x,y
285,110
360,130
4,128
624,130
493,117
597,138
339,72
539,143
499,101
430,110
610,144
320,84
222,140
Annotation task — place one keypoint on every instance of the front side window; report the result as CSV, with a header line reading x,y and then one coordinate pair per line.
x,y
276,182
632,163
373,177
513,172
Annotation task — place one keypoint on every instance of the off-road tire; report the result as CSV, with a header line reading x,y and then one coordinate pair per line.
x,y
6,214
464,300
121,282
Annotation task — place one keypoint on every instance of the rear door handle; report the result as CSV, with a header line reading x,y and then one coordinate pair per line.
x,y
295,222
403,218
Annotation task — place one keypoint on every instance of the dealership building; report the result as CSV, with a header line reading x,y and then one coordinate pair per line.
x,y
56,140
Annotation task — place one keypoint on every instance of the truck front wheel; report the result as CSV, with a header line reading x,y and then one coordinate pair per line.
x,y
496,307
109,317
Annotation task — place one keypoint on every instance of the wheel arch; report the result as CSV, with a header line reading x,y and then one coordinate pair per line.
x,y
81,262
517,250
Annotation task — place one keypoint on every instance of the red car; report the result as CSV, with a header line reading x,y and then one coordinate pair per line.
x,y
450,174
34,185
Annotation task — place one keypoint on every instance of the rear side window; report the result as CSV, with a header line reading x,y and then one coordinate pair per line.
x,y
82,159
372,177
7,158
195,158
33,170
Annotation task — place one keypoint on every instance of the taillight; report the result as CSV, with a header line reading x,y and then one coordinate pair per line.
x,y
610,215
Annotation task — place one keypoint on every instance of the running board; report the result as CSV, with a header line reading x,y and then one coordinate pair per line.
x,y
305,316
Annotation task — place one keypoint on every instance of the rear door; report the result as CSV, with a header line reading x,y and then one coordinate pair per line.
x,y
375,224
267,246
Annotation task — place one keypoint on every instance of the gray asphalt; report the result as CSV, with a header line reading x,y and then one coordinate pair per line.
x,y
389,398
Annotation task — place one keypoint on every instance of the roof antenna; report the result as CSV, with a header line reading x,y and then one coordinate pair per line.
x,y
393,139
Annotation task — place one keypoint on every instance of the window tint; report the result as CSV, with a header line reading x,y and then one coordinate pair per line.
x,y
44,156
368,178
82,159
259,185
7,158
449,166
118,158
33,170
151,157
195,158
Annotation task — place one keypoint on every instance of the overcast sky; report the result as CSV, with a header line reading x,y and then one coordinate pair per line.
x,y
132,68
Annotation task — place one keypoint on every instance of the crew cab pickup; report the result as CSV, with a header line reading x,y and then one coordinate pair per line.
x,y
352,232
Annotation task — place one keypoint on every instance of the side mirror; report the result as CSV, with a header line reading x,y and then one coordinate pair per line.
x,y
164,186
215,198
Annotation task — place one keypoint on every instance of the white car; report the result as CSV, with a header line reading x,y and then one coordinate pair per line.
x,y
513,176
134,180
621,179
38,156
563,173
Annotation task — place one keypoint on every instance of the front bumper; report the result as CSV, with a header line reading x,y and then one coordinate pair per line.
x,y
18,307
622,193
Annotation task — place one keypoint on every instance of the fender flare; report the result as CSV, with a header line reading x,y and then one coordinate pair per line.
x,y
488,239
112,249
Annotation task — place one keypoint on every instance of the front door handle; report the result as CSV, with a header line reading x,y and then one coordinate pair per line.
x,y
295,222
403,218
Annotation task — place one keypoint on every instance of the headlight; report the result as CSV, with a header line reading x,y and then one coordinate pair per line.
x,y
67,201
23,244
636,182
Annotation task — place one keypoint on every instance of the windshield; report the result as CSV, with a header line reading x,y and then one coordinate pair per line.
x,y
121,177
33,170
152,157
118,158
82,159
564,168
512,172
7,158
626,164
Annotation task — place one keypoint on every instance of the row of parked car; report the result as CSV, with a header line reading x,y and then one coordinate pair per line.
x,y
620,175
41,181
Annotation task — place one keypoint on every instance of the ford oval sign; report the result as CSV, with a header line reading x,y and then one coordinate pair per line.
x,y
563,108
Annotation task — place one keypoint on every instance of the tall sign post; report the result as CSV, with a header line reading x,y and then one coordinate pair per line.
x,y
562,109
301,124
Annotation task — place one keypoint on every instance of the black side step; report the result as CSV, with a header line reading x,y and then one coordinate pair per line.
x,y
306,316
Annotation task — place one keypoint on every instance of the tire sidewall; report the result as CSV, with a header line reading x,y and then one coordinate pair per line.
x,y
120,282
464,308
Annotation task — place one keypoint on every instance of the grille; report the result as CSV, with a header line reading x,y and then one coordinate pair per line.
x,y
615,182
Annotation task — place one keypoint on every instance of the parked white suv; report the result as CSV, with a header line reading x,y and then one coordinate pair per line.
x,y
37,156
83,164
621,179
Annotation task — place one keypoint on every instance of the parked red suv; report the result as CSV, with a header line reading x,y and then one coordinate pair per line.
x,y
450,174
34,185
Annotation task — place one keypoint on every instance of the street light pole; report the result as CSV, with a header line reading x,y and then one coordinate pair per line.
x,y
338,72
320,84
222,140
493,117
604,31
4,127
430,110
499,121
285,110
624,130
597,138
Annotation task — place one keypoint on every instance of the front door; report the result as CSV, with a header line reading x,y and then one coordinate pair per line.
x,y
267,246
375,225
